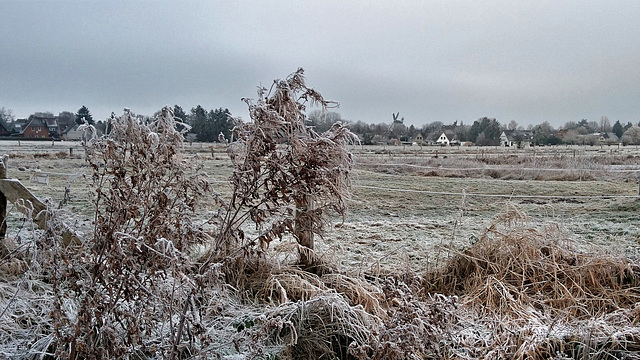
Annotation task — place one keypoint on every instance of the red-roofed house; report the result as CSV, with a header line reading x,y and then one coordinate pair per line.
x,y
41,128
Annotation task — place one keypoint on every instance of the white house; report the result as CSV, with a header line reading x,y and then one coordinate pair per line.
x,y
72,133
510,138
447,138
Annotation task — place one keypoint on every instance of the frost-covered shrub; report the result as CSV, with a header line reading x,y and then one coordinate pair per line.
x,y
287,176
126,289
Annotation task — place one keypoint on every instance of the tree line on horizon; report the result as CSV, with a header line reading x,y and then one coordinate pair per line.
x,y
486,131
207,124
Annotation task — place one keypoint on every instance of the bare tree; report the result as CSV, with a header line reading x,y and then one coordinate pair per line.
x,y
323,120
6,116
605,124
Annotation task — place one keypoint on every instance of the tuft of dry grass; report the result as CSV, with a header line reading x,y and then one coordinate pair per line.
x,y
514,264
287,284
539,296
357,291
324,327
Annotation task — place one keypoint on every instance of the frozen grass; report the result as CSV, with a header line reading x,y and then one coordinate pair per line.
x,y
388,243
540,296
421,267
518,292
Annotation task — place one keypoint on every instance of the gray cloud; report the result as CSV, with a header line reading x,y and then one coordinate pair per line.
x,y
437,60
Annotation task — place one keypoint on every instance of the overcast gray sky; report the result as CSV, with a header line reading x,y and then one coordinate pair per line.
x,y
529,61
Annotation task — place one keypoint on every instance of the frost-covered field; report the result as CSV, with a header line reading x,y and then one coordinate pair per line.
x,y
475,252
410,205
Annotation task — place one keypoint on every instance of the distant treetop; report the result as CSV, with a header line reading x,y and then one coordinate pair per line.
x,y
84,113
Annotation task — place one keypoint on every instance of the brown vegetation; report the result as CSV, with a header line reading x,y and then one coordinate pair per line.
x,y
151,281
529,280
286,176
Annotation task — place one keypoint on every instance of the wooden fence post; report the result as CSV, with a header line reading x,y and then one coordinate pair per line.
x,y
12,190
3,199
304,233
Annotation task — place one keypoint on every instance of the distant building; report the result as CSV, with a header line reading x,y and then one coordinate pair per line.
x,y
40,128
518,138
65,122
72,133
447,138
607,138
53,127
18,125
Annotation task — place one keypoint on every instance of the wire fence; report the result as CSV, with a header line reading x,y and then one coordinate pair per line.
x,y
508,196
448,193
510,168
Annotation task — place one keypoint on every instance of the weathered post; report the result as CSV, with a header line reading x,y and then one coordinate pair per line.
x,y
3,199
304,233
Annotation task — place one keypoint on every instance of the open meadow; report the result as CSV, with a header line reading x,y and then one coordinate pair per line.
x,y
458,253
410,205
